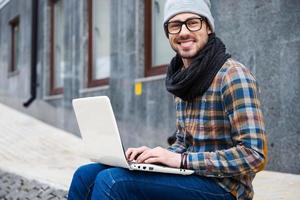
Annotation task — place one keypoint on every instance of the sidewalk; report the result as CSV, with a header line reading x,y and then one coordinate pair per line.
x,y
43,154
33,149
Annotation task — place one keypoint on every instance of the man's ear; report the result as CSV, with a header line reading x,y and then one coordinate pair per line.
x,y
208,29
166,31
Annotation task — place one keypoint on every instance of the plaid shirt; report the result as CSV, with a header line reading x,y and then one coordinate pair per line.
x,y
226,128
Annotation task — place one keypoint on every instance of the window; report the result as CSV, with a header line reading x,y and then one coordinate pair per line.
x,y
56,47
99,42
3,3
158,52
15,44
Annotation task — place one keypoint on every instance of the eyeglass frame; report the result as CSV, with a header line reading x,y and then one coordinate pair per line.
x,y
183,23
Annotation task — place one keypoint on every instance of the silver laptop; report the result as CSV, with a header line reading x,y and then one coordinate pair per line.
x,y
101,138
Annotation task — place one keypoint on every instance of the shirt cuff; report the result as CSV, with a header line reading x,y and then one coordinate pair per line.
x,y
196,161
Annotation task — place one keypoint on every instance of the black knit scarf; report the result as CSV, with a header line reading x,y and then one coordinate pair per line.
x,y
188,83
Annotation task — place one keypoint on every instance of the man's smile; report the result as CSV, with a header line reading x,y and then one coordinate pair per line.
x,y
186,43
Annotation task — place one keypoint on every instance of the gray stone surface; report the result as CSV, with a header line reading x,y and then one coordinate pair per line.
x,y
16,187
262,35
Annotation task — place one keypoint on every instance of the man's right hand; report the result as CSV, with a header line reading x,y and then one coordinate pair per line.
x,y
152,156
133,153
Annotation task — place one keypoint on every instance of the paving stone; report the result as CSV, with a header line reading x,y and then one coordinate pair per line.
x,y
14,187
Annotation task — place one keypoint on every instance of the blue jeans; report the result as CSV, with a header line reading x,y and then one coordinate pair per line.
x,y
97,181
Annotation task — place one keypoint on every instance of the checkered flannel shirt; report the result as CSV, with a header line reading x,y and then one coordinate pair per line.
x,y
226,125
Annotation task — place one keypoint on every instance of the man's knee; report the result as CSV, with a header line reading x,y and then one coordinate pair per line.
x,y
78,186
78,178
113,182
85,174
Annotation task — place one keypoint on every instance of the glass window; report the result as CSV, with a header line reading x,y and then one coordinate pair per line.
x,y
161,49
99,45
57,48
58,44
15,44
3,3
158,52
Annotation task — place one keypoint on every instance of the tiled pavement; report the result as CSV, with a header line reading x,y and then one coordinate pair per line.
x,y
37,162
13,186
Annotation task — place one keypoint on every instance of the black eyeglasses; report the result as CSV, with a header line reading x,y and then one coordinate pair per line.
x,y
192,24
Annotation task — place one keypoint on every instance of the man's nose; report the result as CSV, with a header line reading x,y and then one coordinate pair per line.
x,y
184,30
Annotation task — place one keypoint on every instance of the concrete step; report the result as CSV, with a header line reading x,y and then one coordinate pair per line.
x,y
39,160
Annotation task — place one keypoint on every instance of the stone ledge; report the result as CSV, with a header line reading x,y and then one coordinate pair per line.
x,y
15,187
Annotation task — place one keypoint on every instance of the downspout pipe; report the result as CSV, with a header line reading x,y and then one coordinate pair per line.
x,y
34,47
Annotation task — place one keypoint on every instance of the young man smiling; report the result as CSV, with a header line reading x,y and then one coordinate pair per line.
x,y
187,43
220,128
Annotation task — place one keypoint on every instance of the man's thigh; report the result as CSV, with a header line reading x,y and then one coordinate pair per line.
x,y
83,180
121,183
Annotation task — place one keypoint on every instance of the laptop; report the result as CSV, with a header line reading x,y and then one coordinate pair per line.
x,y
101,138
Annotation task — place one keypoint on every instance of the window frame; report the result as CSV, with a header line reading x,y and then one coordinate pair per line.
x,y
15,22
149,69
53,89
90,81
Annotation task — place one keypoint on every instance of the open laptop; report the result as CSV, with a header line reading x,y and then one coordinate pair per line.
x,y
101,138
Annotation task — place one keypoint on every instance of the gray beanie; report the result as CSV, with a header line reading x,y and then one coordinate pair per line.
x,y
200,7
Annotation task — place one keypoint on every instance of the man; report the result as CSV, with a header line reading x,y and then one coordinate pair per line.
x,y
220,128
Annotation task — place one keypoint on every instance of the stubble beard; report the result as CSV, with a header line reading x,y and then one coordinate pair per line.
x,y
185,57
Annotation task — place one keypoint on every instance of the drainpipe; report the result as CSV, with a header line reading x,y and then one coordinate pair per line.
x,y
34,46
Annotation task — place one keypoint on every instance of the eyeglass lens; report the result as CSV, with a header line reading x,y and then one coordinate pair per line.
x,y
193,24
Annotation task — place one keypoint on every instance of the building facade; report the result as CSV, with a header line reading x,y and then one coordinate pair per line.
x,y
54,50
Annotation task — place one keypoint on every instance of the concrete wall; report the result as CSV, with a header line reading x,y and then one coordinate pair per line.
x,y
17,85
261,34
264,35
